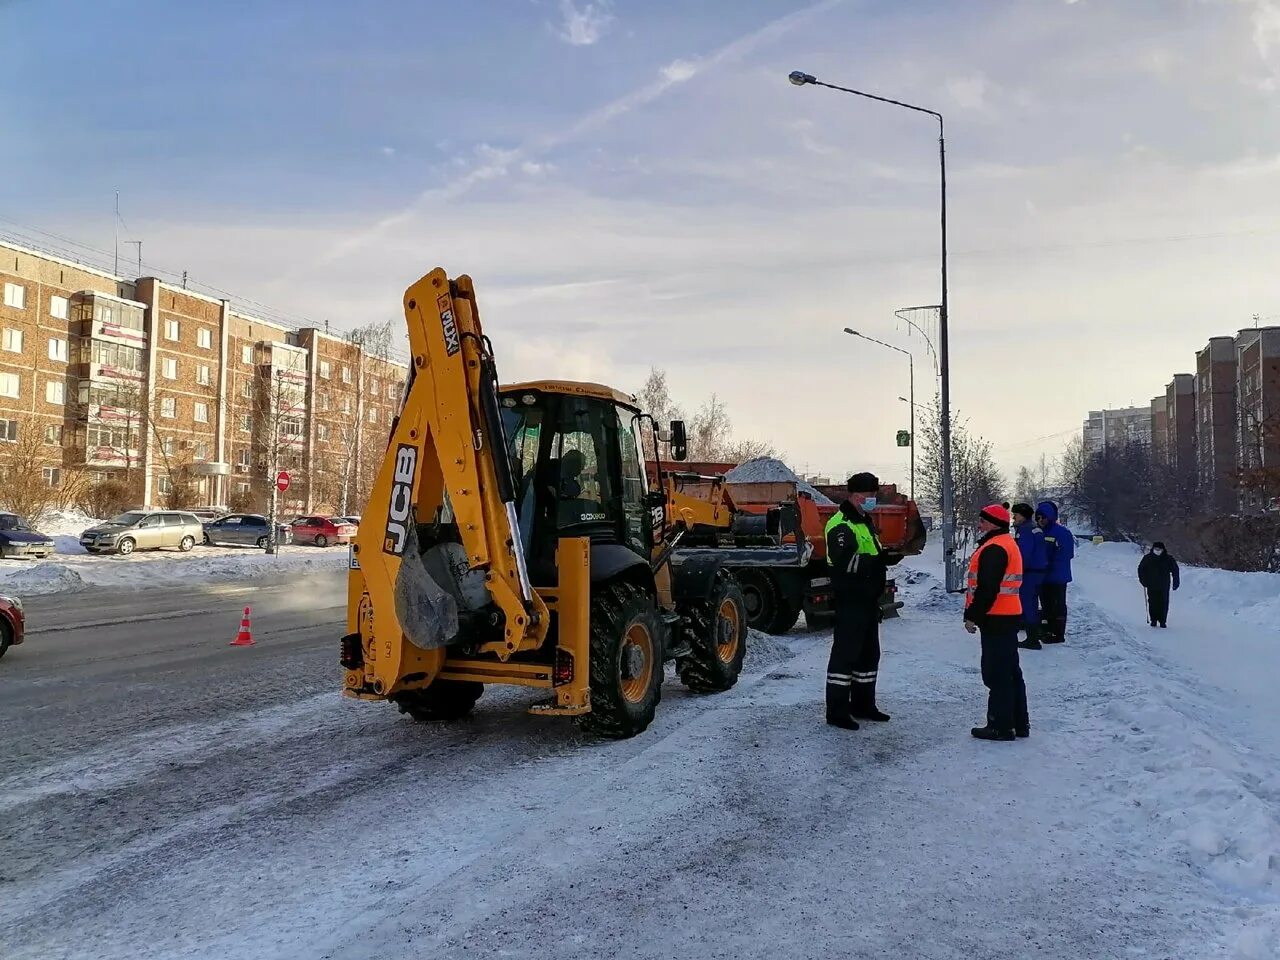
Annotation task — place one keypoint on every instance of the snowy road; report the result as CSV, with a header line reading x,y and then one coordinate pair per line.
x,y
164,796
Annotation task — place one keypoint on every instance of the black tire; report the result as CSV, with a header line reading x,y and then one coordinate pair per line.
x,y
321,540
125,546
4,638
261,543
187,543
443,700
207,541
626,662
768,608
718,638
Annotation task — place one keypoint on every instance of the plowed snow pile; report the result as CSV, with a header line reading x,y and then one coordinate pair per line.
x,y
772,470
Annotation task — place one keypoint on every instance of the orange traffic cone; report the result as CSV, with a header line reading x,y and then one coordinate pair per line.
x,y
244,638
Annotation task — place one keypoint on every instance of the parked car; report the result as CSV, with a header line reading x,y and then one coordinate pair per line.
x,y
248,529
12,623
322,531
144,530
19,542
354,521
205,514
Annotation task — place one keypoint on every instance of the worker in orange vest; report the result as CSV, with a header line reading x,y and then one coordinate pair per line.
x,y
992,606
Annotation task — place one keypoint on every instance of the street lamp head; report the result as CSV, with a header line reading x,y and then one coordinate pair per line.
x,y
852,332
800,79
904,399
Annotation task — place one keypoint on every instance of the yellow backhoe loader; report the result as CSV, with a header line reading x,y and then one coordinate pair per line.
x,y
511,537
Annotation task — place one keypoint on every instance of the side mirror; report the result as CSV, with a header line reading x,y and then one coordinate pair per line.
x,y
679,441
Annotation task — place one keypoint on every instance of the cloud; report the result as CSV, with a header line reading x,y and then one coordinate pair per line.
x,y
969,92
581,26
388,151
678,71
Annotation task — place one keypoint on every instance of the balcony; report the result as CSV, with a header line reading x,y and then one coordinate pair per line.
x,y
113,319
111,457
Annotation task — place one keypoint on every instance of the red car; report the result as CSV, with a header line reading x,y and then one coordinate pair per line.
x,y
322,531
12,623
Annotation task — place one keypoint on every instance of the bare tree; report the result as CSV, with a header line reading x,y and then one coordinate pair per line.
x,y
26,473
976,479
655,399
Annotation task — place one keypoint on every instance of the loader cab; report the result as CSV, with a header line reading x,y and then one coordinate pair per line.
x,y
576,460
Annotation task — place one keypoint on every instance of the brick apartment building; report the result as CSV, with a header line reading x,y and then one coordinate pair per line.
x,y
176,394
1180,429
1258,402
1216,423
1115,428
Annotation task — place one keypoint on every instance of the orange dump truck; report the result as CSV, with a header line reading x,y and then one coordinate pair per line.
x,y
775,597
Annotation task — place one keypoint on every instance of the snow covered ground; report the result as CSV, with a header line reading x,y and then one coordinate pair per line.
x,y
1140,820
73,568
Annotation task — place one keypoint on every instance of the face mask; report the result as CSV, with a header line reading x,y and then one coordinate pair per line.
x,y
1157,551
869,504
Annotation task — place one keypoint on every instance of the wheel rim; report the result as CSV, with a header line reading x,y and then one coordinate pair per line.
x,y
187,543
636,662
262,543
728,629
752,600
126,547
321,540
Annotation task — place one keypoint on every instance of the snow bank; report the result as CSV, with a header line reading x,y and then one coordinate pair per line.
x,y
67,572
771,470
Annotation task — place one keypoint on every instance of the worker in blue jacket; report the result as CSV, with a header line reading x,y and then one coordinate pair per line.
x,y
1060,545
1035,561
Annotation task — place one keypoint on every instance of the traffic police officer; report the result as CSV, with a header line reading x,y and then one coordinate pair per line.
x,y
858,571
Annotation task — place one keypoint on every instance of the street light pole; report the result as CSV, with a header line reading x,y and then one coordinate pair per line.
x,y
800,79
911,371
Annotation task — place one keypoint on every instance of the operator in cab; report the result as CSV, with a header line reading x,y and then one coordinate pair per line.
x,y
858,565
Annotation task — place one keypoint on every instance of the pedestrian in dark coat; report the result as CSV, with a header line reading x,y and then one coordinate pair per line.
x,y
1061,547
1035,562
1157,572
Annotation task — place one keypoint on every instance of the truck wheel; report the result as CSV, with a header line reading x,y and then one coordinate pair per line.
x,y
626,662
442,700
718,637
768,609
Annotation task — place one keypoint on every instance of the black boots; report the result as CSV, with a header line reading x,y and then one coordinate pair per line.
x,y
993,733
1033,639
873,713
1022,732
841,720
838,712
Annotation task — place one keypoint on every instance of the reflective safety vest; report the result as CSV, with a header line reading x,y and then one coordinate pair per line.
x,y
865,536
1008,603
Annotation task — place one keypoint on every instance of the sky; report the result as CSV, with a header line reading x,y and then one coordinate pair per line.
x,y
635,184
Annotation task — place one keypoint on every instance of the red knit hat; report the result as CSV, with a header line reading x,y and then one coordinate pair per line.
x,y
997,514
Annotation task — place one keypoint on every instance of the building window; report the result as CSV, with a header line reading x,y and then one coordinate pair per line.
x,y
58,307
373,414
202,375
202,450
246,422
166,446
53,434
12,340
324,401
247,389
58,349
168,407
325,369
393,390
204,338
346,374
373,386
242,487
55,391
15,296
171,330
346,404
8,430
246,353
170,367
8,385
52,476
322,431
201,412
242,458
164,485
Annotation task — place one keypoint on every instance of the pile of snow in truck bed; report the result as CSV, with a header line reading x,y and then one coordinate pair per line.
x,y
772,470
